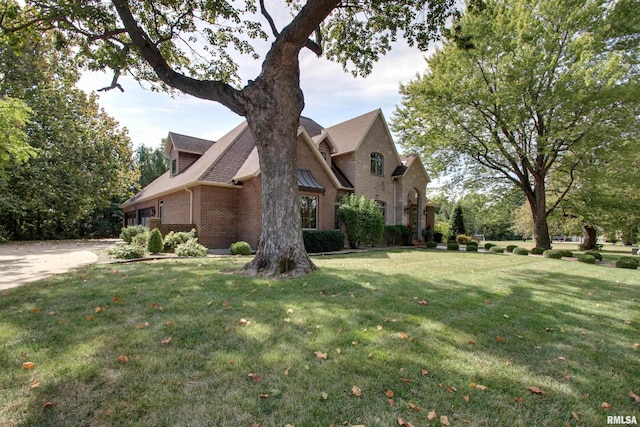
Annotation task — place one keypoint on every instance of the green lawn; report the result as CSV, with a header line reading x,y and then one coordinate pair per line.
x,y
188,342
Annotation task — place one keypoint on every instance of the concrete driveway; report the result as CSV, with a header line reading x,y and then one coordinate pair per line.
x,y
24,262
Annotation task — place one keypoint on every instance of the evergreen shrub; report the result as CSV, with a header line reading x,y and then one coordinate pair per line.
x,y
154,242
191,248
510,248
240,248
626,262
566,253
453,246
520,251
392,235
488,246
496,249
127,251
587,259
432,244
597,255
552,253
128,233
174,238
472,248
537,251
316,241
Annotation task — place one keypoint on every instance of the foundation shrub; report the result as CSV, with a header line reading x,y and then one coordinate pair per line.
x,y
316,241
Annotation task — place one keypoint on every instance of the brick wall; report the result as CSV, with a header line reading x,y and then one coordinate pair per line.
x,y
217,213
250,211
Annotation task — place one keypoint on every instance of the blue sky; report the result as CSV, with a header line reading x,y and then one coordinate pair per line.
x,y
331,96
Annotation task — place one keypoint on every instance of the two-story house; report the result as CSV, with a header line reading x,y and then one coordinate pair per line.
x,y
215,186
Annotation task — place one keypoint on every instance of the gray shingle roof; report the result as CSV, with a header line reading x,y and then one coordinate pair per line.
x,y
189,144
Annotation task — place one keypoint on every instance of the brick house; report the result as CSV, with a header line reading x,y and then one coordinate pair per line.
x,y
215,186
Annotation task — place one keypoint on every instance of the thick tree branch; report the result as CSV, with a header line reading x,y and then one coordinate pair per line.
x,y
212,90
114,84
315,47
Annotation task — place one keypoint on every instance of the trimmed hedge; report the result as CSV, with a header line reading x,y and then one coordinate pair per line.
x,y
552,253
240,248
316,241
597,255
587,259
566,253
520,251
627,262
496,249
432,244
472,243
510,248
392,235
488,246
453,246
472,248
537,251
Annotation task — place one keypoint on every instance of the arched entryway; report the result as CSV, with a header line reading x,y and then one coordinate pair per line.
x,y
413,210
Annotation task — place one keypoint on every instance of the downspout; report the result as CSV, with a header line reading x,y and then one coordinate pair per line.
x,y
186,188
395,183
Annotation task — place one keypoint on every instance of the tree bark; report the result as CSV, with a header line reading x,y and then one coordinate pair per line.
x,y
538,202
589,237
273,115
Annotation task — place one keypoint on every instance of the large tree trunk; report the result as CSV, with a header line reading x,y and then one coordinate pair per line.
x,y
589,237
274,117
538,202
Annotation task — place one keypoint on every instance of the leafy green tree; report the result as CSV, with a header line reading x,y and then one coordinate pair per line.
x,y
522,89
84,159
363,220
192,46
457,222
14,115
151,163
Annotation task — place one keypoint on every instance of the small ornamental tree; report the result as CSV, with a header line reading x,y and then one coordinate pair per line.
x,y
363,220
155,243
457,222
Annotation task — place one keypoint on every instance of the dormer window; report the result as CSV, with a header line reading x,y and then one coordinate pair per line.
x,y
377,164
174,167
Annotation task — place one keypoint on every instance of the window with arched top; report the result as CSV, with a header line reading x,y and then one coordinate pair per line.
x,y
377,164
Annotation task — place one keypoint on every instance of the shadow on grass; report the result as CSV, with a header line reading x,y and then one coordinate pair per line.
x,y
380,326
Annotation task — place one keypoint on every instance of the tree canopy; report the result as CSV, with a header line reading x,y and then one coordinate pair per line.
x,y
525,90
84,158
191,47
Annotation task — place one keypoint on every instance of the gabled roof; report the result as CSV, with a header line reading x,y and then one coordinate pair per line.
x,y
347,136
408,162
186,144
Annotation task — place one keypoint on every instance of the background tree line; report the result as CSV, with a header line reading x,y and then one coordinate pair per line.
x,y
65,165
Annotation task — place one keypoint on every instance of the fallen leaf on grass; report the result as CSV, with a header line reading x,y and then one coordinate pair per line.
x,y
90,318
518,399
423,302
255,377
575,416
472,342
465,398
634,396
379,327
451,389
123,359
165,340
390,394
35,384
481,387
402,422
606,406
116,300
499,339
98,309
47,404
324,395
170,323
444,420
391,403
28,365
286,372
424,372
432,415
35,310
356,390
405,380
320,355
402,335
414,407
536,390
